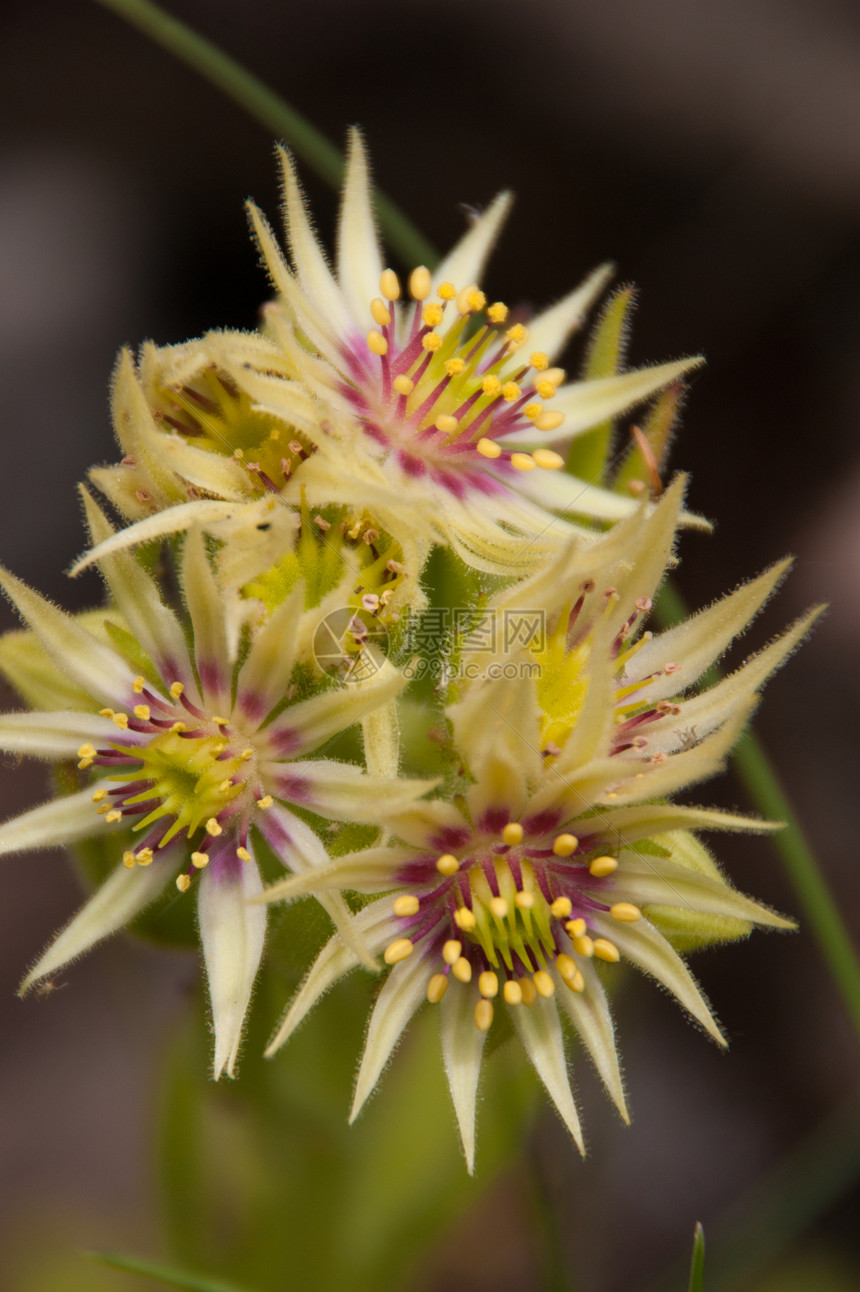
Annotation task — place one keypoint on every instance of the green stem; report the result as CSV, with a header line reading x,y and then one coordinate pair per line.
x,y
765,790
267,107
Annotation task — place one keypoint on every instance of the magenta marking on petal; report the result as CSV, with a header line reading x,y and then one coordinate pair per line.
x,y
450,837
493,820
413,466
225,866
211,675
543,822
419,871
296,789
284,740
252,704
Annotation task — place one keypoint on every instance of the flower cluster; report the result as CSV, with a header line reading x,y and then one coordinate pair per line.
x,y
297,479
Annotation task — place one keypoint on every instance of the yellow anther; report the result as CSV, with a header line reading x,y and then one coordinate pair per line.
x,y
199,860
432,314
86,762
379,312
183,883
533,411
221,722
602,866
447,291
105,807
576,928
512,833
243,854
524,901
561,908
491,385
447,864
544,984
484,1015
128,860
539,361
464,919
106,713
113,815
549,421
420,283
246,754
498,907
477,299
436,988
564,844
523,461
138,684
555,375
225,787
406,905
497,312
389,285
625,912
467,296
454,366
575,982
566,966
512,992
178,726
451,951
176,689
142,711
529,993
403,385
488,448
144,857
120,720
401,949
98,795
583,946
376,343
510,392
462,970
213,828
606,950
548,459
446,424
517,334
265,802
545,388
432,341
488,984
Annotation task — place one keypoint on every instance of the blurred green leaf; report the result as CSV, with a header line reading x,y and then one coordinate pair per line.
x,y
589,453
697,1265
164,1273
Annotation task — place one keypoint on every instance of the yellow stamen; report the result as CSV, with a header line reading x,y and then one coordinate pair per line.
x,y
533,411
498,906
565,844
128,860
144,857
389,285
403,385
221,722
451,951
432,341
432,314
477,299
576,928
397,951
176,689
379,312
549,421
566,966
120,720
225,787
213,828
406,905
524,901
178,726
436,988
138,684
467,296
523,461
491,385
183,883
561,907
544,984
447,291
575,982
548,459
376,343
243,854
200,860
539,360
142,711
555,375
488,984
497,312
625,912
583,946
265,802
602,866
488,448
113,815
510,392
98,795
464,919
606,950
512,992
246,754
517,334
446,424
454,366
529,993
106,713
545,388
447,864
462,970
484,1015
420,283
512,833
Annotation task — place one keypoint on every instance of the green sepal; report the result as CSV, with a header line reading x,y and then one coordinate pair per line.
x,y
658,425
589,453
690,930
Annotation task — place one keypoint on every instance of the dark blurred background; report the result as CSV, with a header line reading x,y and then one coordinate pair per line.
x,y
711,151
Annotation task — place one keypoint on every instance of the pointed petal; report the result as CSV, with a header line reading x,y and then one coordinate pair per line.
x,y
656,881
304,726
589,1013
265,675
464,264
403,993
206,607
174,520
372,870
232,933
123,895
308,259
586,403
343,791
52,735
462,1051
539,1031
358,261
549,331
53,824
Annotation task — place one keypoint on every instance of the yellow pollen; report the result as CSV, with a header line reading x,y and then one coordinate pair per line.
x,y
397,951
544,984
105,807
602,866
512,833
138,684
528,991
98,795
539,360
462,970
545,389
575,981
517,334
446,424
128,860
451,951
86,762
491,385
523,462
200,860
176,689
533,411
376,343
625,912
436,988
243,854
178,726
221,722
576,928
113,815
566,966
512,992
183,883
144,857
488,448
498,906
447,291
403,385
549,421
606,950
465,298
464,919
432,314
488,984
498,312
213,828
484,1015
420,283
106,713
246,754
406,905
510,392
524,901
447,864
561,908
120,720
389,285
477,299
454,366
142,711
379,312
225,787
548,459
555,375
432,341
265,802
583,946
565,844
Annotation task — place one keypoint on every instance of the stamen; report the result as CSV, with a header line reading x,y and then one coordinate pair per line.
x,y
548,459
432,314
497,312
243,854
447,864
544,984
517,335
200,860
523,462
432,341
213,828
138,684
565,844
540,362
625,912
377,344
447,424
510,392
603,866
488,984
265,802
576,928
549,421
451,951
491,385
447,291
524,901
497,906
464,919
420,283
98,795
583,946
512,992
403,385
512,833
142,711
406,905
529,993
606,950
462,970
183,883
379,312
489,448
484,1015
561,907
398,951
436,988
389,285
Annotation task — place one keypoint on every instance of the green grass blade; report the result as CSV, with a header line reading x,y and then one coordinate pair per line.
x,y
697,1265
164,1273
